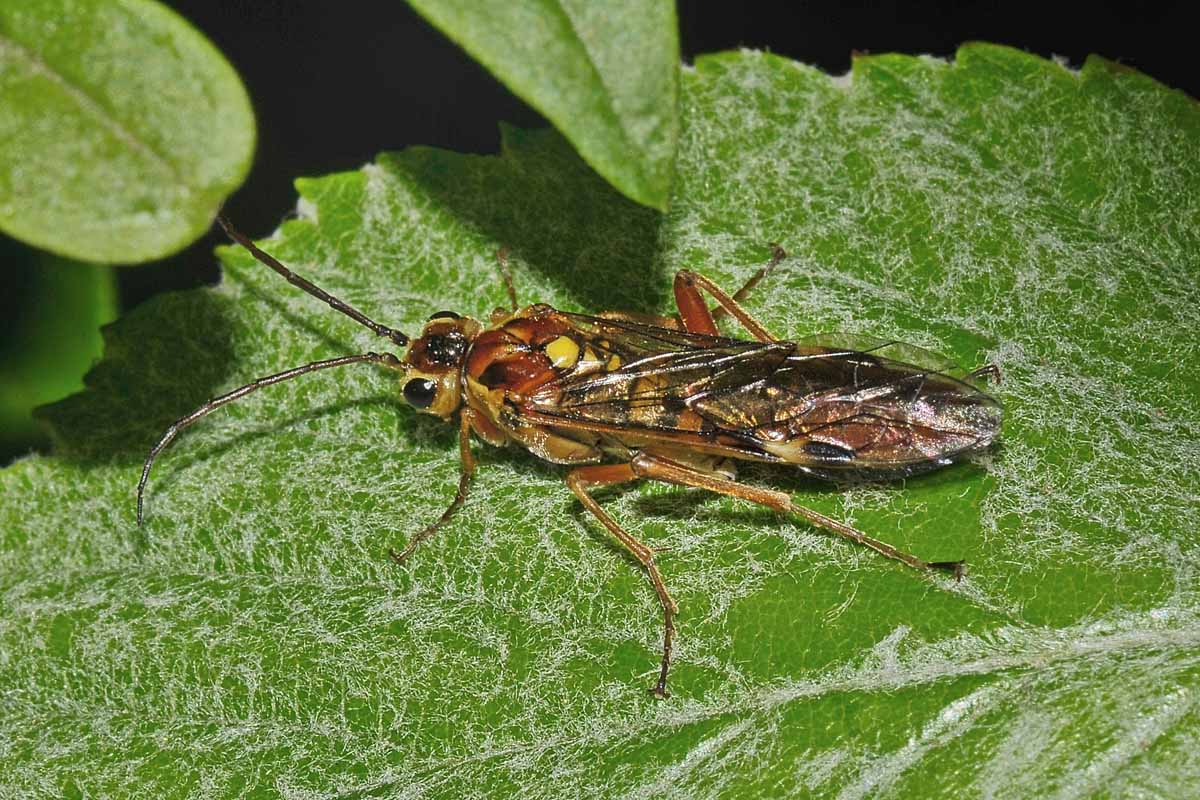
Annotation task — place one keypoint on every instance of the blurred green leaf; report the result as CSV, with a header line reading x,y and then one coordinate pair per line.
x,y
121,128
254,638
51,310
605,73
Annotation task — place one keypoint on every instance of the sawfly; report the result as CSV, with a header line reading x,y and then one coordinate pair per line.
x,y
620,397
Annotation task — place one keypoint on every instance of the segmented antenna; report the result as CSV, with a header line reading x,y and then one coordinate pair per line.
x,y
396,337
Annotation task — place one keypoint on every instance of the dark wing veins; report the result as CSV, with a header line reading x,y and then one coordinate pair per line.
x,y
812,402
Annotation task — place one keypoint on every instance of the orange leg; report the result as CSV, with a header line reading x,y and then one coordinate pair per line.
x,y
647,465
579,480
694,311
506,275
777,254
464,483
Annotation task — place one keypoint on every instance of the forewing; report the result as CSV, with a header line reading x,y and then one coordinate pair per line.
x,y
633,340
815,403
657,375
848,410
890,349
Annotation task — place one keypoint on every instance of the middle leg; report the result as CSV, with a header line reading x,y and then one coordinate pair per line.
x,y
579,480
506,276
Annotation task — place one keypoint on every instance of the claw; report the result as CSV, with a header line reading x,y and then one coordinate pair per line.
x,y
956,568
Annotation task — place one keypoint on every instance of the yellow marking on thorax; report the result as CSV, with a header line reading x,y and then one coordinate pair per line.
x,y
590,361
563,352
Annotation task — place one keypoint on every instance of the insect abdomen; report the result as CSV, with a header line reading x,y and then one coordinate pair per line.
x,y
905,422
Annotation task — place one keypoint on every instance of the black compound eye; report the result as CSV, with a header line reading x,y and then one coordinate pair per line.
x,y
446,314
446,348
419,392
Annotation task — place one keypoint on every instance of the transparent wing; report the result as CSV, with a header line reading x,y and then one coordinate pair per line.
x,y
819,402
893,350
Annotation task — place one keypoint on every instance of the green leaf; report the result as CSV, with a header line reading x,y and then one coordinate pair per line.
x,y
254,637
121,128
606,74
51,310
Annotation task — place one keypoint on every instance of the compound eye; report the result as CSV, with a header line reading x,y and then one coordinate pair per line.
x,y
446,348
419,392
445,315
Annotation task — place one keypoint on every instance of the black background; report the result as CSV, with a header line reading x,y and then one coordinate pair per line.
x,y
333,84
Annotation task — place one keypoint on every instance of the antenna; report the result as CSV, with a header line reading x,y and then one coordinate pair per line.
x,y
397,338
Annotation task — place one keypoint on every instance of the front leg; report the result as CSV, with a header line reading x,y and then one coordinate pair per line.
x,y
464,483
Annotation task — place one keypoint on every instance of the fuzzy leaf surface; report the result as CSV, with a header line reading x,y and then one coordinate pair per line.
x,y
254,638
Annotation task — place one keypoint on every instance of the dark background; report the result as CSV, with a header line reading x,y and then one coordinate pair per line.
x,y
333,84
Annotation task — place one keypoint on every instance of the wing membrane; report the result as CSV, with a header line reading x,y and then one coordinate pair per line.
x,y
814,402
